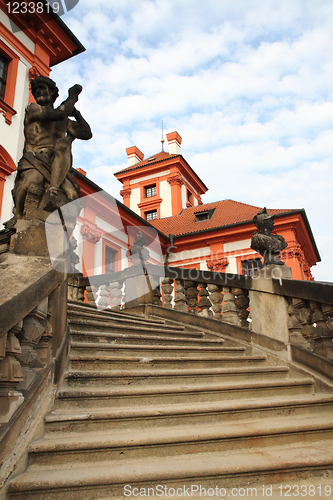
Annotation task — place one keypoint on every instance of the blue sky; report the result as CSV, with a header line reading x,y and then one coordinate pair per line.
x,y
248,86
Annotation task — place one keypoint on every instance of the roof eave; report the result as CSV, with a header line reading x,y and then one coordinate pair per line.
x,y
119,204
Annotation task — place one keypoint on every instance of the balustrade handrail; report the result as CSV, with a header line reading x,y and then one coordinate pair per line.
x,y
13,308
306,290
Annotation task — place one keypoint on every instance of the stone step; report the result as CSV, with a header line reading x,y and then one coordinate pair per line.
x,y
107,361
86,325
191,377
162,442
206,413
228,469
118,397
86,308
144,350
142,339
120,319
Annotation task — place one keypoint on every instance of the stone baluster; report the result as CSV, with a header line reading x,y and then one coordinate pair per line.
x,y
92,294
191,292
180,298
242,304
204,302
75,292
156,291
115,290
295,327
304,317
322,334
35,325
44,348
216,298
103,302
167,289
229,308
11,374
327,310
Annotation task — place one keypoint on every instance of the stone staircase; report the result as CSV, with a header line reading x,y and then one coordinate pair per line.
x,y
155,405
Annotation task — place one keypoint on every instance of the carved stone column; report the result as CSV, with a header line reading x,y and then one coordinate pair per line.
x,y
92,294
180,299
229,308
115,290
295,326
204,302
35,326
156,291
242,304
301,310
103,302
74,291
11,374
216,299
191,292
322,334
167,289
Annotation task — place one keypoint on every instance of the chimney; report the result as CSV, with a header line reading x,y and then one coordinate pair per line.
x,y
134,155
174,141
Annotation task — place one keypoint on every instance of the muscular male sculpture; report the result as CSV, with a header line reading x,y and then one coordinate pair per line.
x,y
47,159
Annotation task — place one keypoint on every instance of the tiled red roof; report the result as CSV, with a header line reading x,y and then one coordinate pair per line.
x,y
163,155
226,212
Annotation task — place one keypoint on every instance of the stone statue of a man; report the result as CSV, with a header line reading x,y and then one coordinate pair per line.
x,y
44,169
267,244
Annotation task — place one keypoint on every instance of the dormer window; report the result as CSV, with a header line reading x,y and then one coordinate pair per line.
x,y
206,215
150,191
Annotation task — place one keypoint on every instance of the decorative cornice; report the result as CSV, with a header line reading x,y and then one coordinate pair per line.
x,y
125,192
217,264
33,73
213,240
7,111
150,202
176,179
296,252
90,234
7,165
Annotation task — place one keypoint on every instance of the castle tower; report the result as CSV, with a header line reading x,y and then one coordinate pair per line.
x,y
161,185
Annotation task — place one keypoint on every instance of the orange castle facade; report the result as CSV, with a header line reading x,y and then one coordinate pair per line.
x,y
163,193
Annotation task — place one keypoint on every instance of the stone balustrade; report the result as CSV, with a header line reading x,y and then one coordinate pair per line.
x,y
32,331
301,311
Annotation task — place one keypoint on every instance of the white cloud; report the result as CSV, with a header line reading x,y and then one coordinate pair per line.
x,y
246,84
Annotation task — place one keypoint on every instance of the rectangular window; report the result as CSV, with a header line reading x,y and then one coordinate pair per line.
x,y
249,267
151,215
110,260
150,191
3,76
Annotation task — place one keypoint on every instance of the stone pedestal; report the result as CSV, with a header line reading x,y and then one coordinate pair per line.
x,y
29,239
34,239
10,400
136,288
269,312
